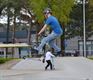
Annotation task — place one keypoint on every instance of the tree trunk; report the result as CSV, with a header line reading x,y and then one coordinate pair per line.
x,y
13,33
62,41
7,32
29,33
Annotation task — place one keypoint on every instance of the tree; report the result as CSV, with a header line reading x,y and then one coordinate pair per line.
x,y
75,24
76,21
12,9
61,9
89,19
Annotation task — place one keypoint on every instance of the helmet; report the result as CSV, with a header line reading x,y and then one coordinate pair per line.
x,y
47,10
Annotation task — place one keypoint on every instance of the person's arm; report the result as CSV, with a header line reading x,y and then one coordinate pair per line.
x,y
43,29
52,55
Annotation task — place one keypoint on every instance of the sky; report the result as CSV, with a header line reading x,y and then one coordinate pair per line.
x,y
3,20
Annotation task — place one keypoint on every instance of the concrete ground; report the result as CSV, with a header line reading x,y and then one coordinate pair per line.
x,y
67,68
9,64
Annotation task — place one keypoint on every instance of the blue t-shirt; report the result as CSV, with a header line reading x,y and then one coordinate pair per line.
x,y
54,24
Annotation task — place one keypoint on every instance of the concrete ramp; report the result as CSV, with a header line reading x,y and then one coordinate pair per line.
x,y
29,64
67,68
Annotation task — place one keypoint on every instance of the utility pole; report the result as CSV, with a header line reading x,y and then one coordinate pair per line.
x,y
84,29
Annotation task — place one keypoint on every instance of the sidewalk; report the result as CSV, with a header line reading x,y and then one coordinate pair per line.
x,y
8,64
67,68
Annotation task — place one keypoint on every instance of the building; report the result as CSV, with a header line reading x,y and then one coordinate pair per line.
x,y
75,44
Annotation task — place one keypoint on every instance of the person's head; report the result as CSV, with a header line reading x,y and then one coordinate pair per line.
x,y
47,12
49,50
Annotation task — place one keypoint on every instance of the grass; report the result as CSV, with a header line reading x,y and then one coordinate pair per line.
x,y
3,60
90,57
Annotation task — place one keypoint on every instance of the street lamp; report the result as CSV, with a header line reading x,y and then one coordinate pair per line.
x,y
84,29
84,2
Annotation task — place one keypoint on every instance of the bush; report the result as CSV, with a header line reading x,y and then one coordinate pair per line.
x,y
3,60
91,57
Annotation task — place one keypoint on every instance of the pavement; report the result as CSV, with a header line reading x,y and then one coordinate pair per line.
x,y
66,68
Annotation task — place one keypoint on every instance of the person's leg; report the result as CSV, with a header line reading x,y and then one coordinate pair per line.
x,y
52,61
53,45
51,67
47,65
45,40
56,48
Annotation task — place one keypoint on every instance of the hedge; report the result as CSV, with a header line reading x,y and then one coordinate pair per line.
x,y
3,60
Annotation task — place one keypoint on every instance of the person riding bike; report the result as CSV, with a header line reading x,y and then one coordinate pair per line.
x,y
57,31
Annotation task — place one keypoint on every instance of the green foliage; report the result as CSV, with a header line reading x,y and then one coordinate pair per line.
x,y
90,57
75,24
60,8
76,21
37,7
3,60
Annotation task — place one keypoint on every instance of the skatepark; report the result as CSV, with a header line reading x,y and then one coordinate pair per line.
x,y
25,28
66,68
